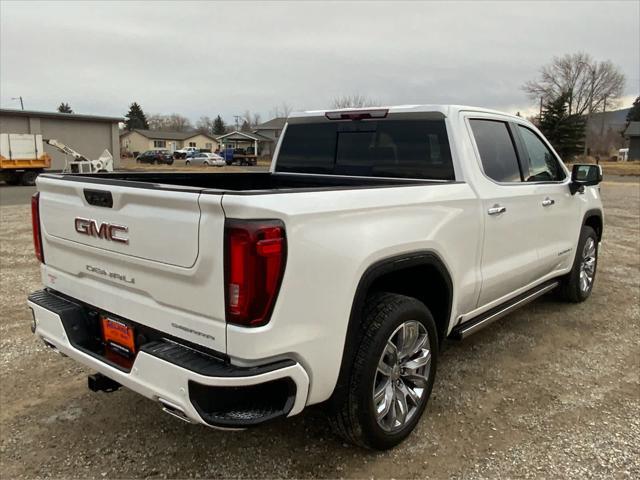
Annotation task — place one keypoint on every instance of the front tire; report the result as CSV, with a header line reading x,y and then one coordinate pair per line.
x,y
392,374
577,286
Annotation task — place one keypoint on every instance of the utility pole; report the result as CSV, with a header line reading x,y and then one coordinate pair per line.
x,y
540,114
237,118
604,110
21,102
592,71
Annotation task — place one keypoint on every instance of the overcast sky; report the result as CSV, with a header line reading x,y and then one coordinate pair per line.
x,y
208,58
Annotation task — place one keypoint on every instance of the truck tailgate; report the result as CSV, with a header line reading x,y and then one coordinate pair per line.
x,y
136,253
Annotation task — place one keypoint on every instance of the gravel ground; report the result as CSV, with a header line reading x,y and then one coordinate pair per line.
x,y
552,391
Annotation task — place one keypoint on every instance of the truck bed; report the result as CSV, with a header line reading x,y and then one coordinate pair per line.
x,y
237,183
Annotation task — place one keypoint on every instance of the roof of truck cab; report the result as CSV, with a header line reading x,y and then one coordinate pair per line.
x,y
446,110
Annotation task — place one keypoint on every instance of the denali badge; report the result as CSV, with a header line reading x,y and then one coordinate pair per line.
x,y
106,231
112,275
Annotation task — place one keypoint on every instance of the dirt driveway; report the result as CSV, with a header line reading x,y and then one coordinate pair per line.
x,y
551,391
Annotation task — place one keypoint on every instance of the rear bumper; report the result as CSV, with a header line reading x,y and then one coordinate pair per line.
x,y
189,384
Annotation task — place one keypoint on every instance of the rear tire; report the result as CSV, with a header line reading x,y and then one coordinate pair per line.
x,y
577,286
392,374
12,178
29,178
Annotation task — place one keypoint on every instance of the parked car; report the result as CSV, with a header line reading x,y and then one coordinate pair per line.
x,y
206,159
335,278
186,152
155,157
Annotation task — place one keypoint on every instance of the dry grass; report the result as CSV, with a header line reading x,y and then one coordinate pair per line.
x,y
613,168
621,168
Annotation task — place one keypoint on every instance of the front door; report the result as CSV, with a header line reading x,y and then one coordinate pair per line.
x,y
555,211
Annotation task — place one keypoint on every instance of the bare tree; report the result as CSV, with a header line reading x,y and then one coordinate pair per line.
x,y
250,120
282,110
205,125
155,121
179,123
245,127
352,101
286,109
173,122
592,85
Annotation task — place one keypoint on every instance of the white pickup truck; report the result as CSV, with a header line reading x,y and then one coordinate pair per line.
x,y
233,299
186,152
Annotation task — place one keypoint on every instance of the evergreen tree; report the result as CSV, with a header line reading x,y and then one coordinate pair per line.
x,y
633,115
219,128
136,118
64,108
564,131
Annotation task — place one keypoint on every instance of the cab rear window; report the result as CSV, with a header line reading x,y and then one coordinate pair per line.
x,y
373,148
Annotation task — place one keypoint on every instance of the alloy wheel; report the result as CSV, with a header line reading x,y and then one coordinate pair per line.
x,y
401,379
588,264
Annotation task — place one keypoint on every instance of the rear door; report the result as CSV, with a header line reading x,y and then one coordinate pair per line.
x,y
509,252
148,254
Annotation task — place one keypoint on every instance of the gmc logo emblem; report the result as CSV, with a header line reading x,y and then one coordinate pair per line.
x,y
106,231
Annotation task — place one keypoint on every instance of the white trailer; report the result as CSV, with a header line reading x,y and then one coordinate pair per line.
x,y
22,158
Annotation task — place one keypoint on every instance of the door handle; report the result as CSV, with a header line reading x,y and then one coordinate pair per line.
x,y
547,202
496,210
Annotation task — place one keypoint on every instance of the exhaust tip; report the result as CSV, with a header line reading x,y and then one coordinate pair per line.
x,y
50,345
174,410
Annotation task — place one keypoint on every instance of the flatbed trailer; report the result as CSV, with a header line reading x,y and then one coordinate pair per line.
x,y
241,159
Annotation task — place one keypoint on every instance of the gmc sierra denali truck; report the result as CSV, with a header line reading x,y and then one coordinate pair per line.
x,y
334,279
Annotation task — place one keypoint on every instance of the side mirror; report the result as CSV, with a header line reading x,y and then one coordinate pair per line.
x,y
584,175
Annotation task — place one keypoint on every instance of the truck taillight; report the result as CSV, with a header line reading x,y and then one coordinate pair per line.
x,y
255,255
35,224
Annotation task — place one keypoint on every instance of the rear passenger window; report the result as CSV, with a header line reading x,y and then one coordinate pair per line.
x,y
497,152
373,148
543,165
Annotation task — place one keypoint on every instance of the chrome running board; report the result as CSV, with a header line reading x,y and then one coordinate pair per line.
x,y
470,327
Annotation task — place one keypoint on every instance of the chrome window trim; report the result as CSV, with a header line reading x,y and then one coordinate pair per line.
x,y
544,141
506,120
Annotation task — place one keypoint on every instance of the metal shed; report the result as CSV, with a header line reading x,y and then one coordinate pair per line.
x,y
88,134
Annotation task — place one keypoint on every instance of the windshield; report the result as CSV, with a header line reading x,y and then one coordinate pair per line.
x,y
380,148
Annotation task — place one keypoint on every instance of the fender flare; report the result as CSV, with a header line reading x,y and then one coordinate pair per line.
x,y
371,274
594,212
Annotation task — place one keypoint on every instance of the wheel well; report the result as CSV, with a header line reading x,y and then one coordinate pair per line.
x,y
423,282
421,275
595,222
